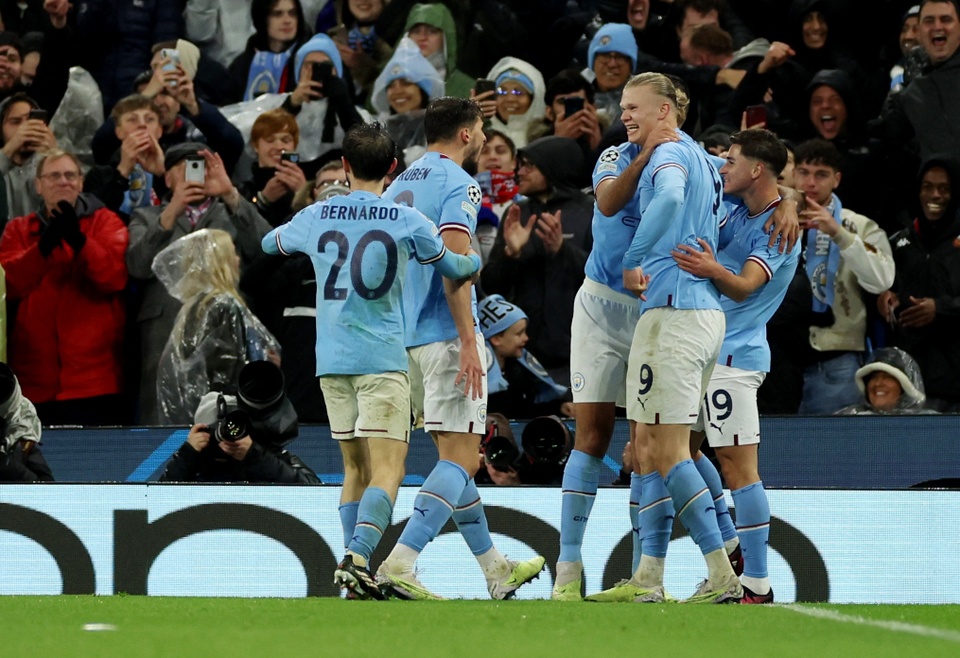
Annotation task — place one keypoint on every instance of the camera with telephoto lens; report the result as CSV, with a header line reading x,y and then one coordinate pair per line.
x,y
499,447
231,426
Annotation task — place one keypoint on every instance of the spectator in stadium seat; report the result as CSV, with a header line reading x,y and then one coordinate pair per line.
x,y
613,58
65,268
517,385
216,203
586,125
519,96
432,28
133,179
890,384
266,66
24,139
400,96
537,261
219,27
324,108
183,118
274,181
847,257
922,308
215,334
363,51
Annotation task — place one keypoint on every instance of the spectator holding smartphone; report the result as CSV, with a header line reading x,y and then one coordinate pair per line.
x,y
276,176
519,94
569,112
24,138
321,101
191,206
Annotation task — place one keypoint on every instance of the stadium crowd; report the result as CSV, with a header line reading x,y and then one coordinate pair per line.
x,y
130,126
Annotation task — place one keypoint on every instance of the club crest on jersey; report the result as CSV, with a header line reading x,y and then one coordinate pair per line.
x,y
475,195
576,382
610,155
482,413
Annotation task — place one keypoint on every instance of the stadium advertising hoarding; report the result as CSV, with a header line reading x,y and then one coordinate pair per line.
x,y
177,540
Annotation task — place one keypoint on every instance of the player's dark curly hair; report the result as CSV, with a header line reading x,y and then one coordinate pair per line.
x,y
761,144
369,150
445,117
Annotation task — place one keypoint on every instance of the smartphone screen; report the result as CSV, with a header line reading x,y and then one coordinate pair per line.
x,y
290,156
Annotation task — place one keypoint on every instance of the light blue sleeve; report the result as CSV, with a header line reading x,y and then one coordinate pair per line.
x,y
288,238
430,250
460,207
669,185
769,258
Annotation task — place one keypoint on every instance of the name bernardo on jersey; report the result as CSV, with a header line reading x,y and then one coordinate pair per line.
x,y
328,211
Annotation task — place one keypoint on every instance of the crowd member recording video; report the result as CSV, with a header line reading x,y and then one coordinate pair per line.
x,y
241,437
545,445
20,456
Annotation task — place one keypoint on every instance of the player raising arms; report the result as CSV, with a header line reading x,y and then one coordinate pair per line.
x,y
360,245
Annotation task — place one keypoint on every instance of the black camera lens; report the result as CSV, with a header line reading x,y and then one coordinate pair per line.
x,y
232,427
501,453
545,440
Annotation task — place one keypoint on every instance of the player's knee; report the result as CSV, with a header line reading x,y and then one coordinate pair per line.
x,y
592,441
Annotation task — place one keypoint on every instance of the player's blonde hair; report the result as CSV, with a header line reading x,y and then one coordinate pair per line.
x,y
664,86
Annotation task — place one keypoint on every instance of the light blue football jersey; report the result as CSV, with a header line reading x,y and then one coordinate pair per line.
x,y
681,199
612,235
360,246
440,189
745,342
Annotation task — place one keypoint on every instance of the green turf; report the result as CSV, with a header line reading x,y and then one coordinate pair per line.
x,y
232,628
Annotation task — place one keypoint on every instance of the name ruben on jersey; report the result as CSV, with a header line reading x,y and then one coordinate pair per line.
x,y
329,211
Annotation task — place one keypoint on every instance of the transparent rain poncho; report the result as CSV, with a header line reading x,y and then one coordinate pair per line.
x,y
902,367
215,333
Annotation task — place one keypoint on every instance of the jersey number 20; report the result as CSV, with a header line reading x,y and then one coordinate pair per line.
x,y
330,289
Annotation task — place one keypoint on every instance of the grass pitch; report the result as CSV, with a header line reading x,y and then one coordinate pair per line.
x,y
233,628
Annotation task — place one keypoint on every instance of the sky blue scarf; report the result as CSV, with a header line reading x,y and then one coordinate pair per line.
x,y
823,261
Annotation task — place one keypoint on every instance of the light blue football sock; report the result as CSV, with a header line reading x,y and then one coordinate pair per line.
x,y
373,517
636,487
711,476
348,520
655,516
694,506
471,520
581,476
434,504
753,523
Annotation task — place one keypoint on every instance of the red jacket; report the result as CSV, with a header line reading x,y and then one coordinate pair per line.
x,y
67,338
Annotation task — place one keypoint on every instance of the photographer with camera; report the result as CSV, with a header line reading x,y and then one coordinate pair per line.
x,y
241,438
544,447
20,456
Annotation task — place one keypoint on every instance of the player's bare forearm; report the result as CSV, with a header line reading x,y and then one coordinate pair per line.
x,y
740,286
